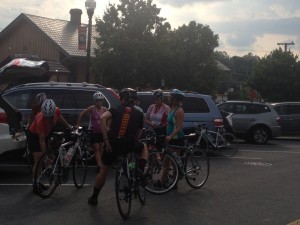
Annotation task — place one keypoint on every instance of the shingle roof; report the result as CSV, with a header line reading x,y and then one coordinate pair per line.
x,y
63,33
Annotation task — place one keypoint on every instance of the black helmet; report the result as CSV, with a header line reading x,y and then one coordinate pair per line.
x,y
128,94
177,94
157,93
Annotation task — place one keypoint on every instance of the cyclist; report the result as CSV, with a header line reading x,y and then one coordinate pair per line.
x,y
157,113
174,135
95,111
38,133
123,137
36,106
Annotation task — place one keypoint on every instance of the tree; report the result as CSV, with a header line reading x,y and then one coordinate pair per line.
x,y
129,43
277,76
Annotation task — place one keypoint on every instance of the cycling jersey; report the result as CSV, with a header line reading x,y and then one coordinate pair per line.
x,y
172,125
41,125
95,120
158,116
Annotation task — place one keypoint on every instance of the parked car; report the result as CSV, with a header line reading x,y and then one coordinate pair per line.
x,y
254,121
11,135
198,108
289,113
18,95
71,98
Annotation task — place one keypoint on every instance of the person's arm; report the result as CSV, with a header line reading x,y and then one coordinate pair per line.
x,y
147,118
64,122
82,114
105,117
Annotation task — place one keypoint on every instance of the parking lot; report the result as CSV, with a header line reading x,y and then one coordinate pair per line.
x,y
259,186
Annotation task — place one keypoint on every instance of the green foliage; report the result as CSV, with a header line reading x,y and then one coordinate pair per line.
x,y
277,76
136,47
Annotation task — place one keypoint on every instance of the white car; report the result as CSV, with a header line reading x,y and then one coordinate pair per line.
x,y
9,141
17,71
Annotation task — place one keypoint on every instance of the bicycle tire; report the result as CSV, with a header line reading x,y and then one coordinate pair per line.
x,y
197,167
155,170
47,174
229,145
79,164
123,193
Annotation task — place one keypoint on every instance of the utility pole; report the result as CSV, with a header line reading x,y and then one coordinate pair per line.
x,y
286,44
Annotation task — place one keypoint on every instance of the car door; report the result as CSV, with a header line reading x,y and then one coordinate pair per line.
x,y
285,119
293,118
244,116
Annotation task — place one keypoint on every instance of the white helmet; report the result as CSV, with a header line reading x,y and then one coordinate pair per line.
x,y
48,108
98,95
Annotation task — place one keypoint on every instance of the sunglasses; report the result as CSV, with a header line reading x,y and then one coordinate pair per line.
x,y
98,100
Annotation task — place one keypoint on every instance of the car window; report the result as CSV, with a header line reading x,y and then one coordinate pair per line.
x,y
195,105
281,109
20,99
294,109
262,108
85,99
227,107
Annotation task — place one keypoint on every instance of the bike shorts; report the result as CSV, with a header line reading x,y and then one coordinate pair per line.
x,y
120,147
34,142
96,138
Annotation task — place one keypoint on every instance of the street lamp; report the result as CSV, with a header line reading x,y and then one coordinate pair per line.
x,y
90,6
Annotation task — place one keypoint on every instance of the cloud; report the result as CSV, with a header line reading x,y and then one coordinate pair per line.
x,y
179,3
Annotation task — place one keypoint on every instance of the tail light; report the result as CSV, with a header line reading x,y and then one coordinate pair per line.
x,y
218,122
278,120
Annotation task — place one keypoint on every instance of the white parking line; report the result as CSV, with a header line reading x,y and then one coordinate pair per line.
x,y
31,185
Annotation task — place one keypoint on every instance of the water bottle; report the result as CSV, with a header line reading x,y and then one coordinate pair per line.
x,y
177,158
69,155
131,165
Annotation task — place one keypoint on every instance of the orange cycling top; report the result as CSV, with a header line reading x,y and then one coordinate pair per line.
x,y
41,125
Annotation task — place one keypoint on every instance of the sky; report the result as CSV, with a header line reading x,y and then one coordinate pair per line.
x,y
243,26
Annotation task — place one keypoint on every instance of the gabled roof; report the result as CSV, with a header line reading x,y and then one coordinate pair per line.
x,y
64,33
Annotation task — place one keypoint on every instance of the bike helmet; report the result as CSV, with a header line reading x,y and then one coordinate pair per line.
x,y
40,98
98,96
177,94
48,108
157,93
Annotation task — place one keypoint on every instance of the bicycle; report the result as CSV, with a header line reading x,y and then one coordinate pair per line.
x,y
54,165
219,141
168,168
128,185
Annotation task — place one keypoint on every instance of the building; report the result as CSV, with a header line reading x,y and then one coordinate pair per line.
x,y
52,40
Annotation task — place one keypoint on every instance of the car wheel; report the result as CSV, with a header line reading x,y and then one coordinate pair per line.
x,y
259,135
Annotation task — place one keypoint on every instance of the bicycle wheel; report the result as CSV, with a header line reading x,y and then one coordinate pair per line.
x,y
79,164
162,171
197,168
228,145
123,193
47,175
141,192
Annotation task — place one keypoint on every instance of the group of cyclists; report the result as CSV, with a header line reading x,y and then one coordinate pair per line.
x,y
115,131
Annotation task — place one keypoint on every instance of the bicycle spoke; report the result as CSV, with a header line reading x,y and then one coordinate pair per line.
x,y
47,175
79,167
163,172
197,168
123,193
229,145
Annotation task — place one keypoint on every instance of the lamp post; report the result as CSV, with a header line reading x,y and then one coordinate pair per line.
x,y
90,6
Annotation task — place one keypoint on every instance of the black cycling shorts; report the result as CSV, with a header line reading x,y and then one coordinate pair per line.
x,y
96,138
177,142
120,147
34,142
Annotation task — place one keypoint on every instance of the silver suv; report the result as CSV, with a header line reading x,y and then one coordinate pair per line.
x,y
253,121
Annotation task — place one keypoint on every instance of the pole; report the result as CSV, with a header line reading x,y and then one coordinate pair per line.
x,y
88,56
